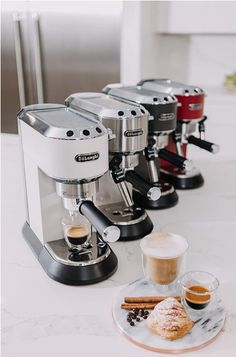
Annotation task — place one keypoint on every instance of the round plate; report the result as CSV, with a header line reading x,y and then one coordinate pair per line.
x,y
204,331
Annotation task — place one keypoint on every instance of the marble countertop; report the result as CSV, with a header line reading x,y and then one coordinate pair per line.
x,y
44,318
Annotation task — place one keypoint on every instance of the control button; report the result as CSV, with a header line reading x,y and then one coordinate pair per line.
x,y
155,99
120,113
86,132
133,112
99,130
69,133
142,111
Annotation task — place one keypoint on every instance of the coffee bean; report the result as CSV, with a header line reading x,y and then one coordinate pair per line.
x,y
141,312
129,319
137,319
145,317
136,311
146,312
133,317
131,323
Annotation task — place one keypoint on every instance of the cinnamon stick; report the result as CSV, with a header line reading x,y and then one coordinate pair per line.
x,y
146,299
138,306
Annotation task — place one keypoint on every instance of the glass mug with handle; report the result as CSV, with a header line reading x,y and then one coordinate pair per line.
x,y
163,256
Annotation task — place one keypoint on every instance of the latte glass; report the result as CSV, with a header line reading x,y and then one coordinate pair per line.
x,y
163,257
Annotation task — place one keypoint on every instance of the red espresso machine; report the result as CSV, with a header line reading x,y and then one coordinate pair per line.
x,y
190,129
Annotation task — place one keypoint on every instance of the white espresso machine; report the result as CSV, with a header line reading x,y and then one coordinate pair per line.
x,y
64,155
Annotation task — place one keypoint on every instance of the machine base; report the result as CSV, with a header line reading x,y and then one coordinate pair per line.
x,y
169,198
70,274
133,223
136,231
183,181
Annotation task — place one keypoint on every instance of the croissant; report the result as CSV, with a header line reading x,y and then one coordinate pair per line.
x,y
169,320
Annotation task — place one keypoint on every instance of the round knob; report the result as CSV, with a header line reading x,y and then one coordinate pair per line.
x,y
188,165
111,234
154,194
215,148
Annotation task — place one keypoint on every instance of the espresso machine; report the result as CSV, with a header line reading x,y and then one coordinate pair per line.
x,y
64,155
128,122
162,121
190,130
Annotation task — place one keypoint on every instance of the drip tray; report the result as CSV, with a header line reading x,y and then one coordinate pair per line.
x,y
119,214
97,251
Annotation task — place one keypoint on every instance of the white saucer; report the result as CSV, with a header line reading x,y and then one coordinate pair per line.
x,y
204,331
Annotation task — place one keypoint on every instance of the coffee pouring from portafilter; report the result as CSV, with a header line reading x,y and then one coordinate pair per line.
x,y
64,156
129,125
162,121
190,122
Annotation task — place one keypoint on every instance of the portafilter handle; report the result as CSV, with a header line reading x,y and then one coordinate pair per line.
x,y
203,144
152,192
102,224
175,159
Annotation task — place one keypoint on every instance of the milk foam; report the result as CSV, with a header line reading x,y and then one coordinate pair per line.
x,y
163,245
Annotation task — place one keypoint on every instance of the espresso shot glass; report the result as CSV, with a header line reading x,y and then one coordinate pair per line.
x,y
77,231
198,290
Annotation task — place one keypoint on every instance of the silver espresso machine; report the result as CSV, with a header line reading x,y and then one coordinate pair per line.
x,y
64,156
162,121
129,124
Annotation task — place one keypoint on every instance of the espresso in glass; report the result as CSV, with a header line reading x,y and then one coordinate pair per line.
x,y
198,291
197,296
77,235
163,257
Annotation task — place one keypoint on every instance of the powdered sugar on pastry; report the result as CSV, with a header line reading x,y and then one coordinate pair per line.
x,y
169,319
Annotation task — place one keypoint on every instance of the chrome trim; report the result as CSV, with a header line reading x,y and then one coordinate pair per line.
x,y
73,191
152,170
55,120
188,165
37,58
161,140
129,161
19,59
117,115
171,87
191,120
125,194
165,193
154,193
111,234
139,95
194,172
60,252
125,215
215,148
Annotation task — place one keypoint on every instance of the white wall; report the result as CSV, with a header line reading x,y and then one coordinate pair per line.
x,y
197,59
193,42
188,41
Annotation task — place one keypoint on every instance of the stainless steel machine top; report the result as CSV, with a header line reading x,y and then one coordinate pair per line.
x,y
128,121
139,95
170,87
60,122
161,106
103,106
